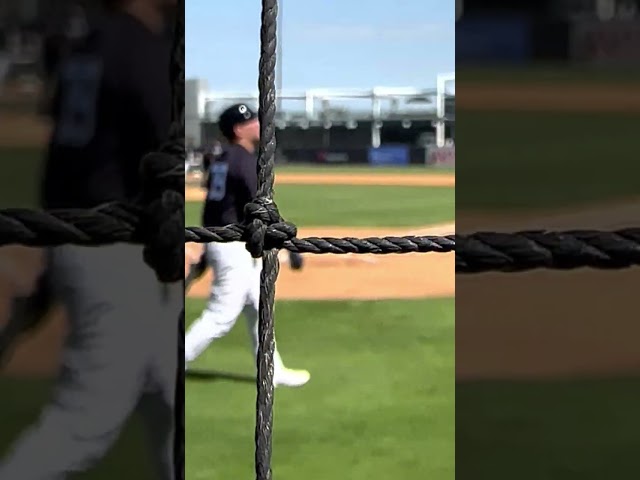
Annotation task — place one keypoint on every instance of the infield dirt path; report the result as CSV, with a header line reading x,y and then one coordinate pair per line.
x,y
363,277
549,97
549,323
386,179
359,277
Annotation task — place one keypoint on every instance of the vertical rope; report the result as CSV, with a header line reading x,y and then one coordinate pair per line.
x,y
179,433
176,130
176,145
270,264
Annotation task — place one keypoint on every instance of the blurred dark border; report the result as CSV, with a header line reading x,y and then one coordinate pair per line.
x,y
547,364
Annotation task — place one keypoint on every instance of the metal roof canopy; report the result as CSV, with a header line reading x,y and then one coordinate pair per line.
x,y
412,96
383,92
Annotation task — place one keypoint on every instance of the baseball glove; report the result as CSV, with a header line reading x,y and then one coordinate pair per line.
x,y
26,316
296,261
196,270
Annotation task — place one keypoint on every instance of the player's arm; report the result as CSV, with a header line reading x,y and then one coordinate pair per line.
x,y
206,169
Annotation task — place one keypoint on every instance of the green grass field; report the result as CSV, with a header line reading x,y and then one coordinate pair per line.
x,y
547,430
363,206
20,174
515,160
380,403
521,160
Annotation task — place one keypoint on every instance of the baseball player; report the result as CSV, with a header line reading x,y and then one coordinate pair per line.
x,y
232,183
198,268
112,106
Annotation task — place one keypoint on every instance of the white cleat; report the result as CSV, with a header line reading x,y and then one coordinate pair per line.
x,y
291,378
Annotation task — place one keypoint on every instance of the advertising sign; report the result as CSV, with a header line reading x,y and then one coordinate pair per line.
x,y
442,156
389,155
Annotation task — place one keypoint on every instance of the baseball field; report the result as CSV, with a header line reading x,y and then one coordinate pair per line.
x,y
376,332
365,327
547,380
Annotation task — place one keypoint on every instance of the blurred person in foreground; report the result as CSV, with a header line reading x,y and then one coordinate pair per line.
x,y
112,106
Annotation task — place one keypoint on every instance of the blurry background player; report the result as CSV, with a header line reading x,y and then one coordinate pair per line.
x,y
112,106
232,182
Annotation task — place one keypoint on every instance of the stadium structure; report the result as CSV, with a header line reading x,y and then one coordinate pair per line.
x,y
338,125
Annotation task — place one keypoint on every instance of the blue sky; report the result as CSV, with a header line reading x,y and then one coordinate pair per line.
x,y
326,43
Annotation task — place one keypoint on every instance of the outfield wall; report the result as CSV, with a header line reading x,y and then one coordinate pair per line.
x,y
403,143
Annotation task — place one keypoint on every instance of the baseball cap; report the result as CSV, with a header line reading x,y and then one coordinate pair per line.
x,y
235,115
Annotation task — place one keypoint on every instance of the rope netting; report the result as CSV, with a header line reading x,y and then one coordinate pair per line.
x,y
157,222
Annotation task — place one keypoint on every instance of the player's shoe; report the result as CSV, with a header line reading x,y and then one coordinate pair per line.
x,y
288,377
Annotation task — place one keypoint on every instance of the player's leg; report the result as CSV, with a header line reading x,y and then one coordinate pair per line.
x,y
232,266
157,413
157,404
282,375
105,360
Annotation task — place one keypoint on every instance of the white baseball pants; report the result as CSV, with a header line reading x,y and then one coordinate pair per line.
x,y
235,290
121,355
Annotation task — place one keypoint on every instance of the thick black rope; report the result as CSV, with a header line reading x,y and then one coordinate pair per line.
x,y
175,150
258,221
477,252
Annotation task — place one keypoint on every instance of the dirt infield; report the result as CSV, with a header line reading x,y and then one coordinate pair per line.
x,y
401,180
549,323
567,327
23,130
359,277
549,97
195,194
363,277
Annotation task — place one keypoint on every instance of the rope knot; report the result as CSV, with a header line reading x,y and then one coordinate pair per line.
x,y
265,229
162,227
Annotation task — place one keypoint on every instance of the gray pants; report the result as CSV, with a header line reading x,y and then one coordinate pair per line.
x,y
120,356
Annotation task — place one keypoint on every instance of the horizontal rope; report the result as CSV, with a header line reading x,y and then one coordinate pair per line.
x,y
475,253
106,224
